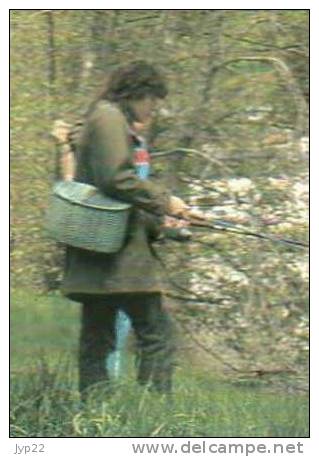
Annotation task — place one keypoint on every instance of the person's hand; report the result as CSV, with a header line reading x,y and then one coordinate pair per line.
x,y
177,207
60,131
172,222
176,229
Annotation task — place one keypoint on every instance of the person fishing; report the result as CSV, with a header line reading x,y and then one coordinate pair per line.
x,y
111,156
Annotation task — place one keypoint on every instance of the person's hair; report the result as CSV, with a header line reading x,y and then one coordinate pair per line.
x,y
134,81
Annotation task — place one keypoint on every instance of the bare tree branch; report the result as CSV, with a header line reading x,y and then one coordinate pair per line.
x,y
284,71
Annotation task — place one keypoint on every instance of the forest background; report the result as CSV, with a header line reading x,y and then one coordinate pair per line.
x,y
237,121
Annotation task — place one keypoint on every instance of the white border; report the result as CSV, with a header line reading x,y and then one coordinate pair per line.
x,y
113,446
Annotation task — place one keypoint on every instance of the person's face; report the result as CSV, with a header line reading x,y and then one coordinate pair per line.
x,y
144,108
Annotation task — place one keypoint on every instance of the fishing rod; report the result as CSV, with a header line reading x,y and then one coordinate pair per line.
x,y
202,221
199,220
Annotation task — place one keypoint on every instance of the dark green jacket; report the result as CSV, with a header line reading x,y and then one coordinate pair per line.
x,y
105,160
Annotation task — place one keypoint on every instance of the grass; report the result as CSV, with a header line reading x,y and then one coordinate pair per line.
x,y
45,401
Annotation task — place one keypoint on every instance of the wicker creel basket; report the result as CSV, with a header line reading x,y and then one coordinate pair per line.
x,y
80,215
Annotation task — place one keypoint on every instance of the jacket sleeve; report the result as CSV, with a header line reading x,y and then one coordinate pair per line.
x,y
112,164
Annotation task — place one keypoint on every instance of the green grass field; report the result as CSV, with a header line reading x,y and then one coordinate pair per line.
x,y
45,401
